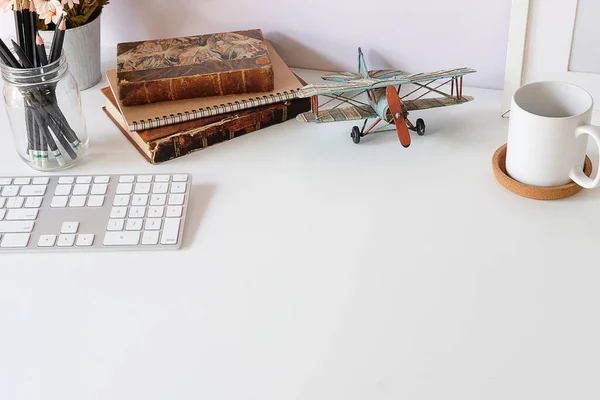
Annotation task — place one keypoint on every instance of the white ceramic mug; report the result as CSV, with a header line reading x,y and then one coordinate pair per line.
x,y
548,133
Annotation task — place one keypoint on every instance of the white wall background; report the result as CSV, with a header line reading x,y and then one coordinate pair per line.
x,y
414,35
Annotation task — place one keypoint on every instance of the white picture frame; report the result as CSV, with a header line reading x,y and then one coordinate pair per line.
x,y
539,48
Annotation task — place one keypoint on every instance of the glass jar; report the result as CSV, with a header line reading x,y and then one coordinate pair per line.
x,y
45,115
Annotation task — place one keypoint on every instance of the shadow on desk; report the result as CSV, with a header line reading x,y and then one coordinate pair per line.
x,y
200,198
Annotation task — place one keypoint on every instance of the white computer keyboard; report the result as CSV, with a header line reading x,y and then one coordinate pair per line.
x,y
93,212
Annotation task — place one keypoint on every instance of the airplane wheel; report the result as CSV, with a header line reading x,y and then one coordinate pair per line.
x,y
355,135
420,127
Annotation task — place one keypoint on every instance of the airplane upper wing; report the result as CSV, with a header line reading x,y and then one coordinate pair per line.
x,y
387,73
423,104
373,83
342,76
348,113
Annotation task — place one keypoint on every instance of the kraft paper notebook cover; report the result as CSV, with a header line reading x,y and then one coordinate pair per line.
x,y
165,143
149,116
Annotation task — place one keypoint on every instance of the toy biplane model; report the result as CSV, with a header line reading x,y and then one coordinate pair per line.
x,y
384,99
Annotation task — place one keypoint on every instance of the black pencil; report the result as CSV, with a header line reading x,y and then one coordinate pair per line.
x,y
29,121
7,56
25,61
28,40
59,38
46,126
36,142
18,23
54,39
33,17
41,50
52,146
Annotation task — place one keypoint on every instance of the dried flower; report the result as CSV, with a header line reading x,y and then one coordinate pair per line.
x,y
70,3
7,5
49,10
76,12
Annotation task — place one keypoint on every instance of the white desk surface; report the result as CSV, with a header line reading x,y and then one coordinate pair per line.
x,y
314,268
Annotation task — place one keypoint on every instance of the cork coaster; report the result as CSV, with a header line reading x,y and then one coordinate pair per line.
x,y
534,192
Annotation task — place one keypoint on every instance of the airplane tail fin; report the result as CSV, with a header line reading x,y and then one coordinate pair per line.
x,y
362,65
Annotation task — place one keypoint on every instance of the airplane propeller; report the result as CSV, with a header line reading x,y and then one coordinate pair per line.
x,y
398,115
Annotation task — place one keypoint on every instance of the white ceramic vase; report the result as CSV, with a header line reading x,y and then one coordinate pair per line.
x,y
82,49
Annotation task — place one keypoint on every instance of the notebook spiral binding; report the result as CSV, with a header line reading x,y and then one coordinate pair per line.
x,y
214,110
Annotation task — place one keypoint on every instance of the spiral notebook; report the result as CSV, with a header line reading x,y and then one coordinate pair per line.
x,y
150,116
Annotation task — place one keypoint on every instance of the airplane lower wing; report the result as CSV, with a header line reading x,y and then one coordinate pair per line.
x,y
338,114
423,104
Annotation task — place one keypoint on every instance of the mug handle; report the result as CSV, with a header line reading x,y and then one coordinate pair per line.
x,y
576,173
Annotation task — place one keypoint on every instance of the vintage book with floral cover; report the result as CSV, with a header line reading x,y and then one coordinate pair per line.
x,y
172,141
217,64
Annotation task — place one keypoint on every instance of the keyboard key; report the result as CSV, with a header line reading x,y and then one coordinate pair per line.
x,y
137,212
142,188
176,199
46,240
21,181
21,214
69,227
125,238
158,200
124,188
59,201
126,179
150,238
2,214
118,212
84,179
62,190
121,200
160,188
170,231
152,224
81,189
10,191
2,201
85,240
180,178
33,190
11,240
41,181
134,224
99,188
102,179
144,178
66,240
15,202
156,211
139,200
162,178
33,202
174,211
95,201
77,201
66,180
115,225
178,187
5,181
16,226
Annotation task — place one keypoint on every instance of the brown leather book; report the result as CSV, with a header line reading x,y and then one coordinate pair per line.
x,y
168,142
217,64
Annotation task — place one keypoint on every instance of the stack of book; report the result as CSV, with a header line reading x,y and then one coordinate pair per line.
x,y
172,97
